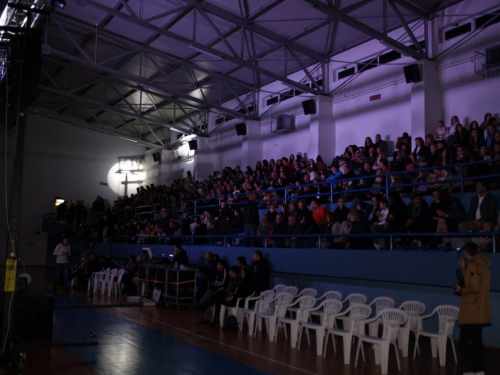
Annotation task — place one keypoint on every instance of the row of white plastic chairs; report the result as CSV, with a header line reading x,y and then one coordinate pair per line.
x,y
285,306
108,279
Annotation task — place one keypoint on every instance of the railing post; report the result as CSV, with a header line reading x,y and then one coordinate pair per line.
x,y
331,192
494,243
195,208
319,242
390,242
462,176
387,187
265,241
286,196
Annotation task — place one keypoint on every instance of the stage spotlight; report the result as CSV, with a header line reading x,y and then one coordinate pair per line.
x,y
59,3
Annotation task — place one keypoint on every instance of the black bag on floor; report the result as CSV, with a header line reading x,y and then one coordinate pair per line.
x,y
231,324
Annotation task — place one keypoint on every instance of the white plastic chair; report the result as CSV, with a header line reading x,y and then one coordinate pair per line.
x,y
304,302
413,310
352,298
293,290
279,288
380,303
304,292
107,281
358,313
331,308
117,283
392,319
271,317
98,277
261,304
237,311
448,315
332,294
90,282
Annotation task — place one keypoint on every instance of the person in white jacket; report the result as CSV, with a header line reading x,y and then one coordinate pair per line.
x,y
62,253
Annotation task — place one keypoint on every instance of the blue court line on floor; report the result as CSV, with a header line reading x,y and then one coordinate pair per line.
x,y
127,348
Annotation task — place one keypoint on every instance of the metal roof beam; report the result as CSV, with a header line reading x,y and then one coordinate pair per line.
x,y
203,48
412,8
112,109
375,34
407,28
257,29
82,124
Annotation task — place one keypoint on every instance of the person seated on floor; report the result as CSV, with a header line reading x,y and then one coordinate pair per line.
x,y
180,256
228,290
220,281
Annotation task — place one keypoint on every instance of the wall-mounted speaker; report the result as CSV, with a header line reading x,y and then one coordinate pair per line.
x,y
241,129
156,156
412,73
309,107
193,145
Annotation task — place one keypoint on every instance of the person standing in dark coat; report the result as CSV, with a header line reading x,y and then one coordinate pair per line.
x,y
180,256
251,219
279,229
260,272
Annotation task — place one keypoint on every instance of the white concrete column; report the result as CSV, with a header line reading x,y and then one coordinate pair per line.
x,y
322,129
251,147
426,102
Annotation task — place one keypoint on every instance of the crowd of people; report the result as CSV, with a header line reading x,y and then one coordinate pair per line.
x,y
357,176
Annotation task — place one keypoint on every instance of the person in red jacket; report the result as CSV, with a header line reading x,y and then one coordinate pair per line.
x,y
320,215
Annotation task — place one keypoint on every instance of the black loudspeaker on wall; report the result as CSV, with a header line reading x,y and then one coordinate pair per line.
x,y
309,107
156,156
193,145
412,73
241,129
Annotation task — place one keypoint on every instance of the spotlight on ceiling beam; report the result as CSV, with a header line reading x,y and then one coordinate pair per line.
x,y
389,45
61,4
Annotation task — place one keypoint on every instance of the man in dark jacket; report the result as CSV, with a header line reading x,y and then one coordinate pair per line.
x,y
260,272
251,219
279,229
483,207
219,283
229,290
180,256
359,226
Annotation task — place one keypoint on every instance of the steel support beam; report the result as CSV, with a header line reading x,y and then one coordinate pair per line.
x,y
202,48
82,124
375,34
257,29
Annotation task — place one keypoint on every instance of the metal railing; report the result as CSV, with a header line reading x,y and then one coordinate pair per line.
x,y
193,204
228,239
288,196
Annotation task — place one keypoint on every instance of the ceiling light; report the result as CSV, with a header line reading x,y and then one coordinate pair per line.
x,y
59,3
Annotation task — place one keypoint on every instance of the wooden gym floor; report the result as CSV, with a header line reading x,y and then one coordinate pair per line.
x,y
155,340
